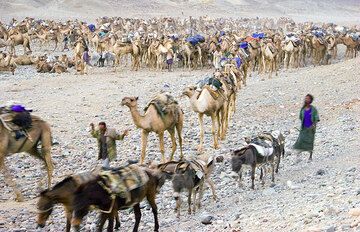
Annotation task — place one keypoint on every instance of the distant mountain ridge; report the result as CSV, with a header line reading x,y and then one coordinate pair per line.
x,y
342,11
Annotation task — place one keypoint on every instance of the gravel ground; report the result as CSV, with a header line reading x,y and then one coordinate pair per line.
x,y
315,196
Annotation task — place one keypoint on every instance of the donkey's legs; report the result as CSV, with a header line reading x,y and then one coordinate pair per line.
x,y
101,222
9,179
272,172
253,167
195,191
201,192
137,213
68,215
189,200
151,200
310,157
117,221
212,186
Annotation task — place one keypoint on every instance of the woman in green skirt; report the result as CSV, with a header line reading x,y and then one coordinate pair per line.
x,y
309,117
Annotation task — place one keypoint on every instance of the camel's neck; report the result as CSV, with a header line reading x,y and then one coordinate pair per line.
x,y
137,118
196,103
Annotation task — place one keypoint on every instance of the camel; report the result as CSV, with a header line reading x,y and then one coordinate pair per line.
x,y
152,121
192,51
291,57
319,48
39,133
18,39
229,84
255,55
122,49
8,64
26,60
269,61
47,36
351,46
3,32
204,104
332,46
79,50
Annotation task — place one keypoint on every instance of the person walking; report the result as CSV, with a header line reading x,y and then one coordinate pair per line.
x,y
106,138
309,118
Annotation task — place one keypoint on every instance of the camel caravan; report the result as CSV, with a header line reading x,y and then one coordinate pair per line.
x,y
166,43
113,189
231,47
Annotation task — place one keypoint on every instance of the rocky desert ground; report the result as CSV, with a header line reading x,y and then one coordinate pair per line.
x,y
315,196
322,195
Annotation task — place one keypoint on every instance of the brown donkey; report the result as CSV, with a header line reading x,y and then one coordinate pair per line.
x,y
96,193
63,193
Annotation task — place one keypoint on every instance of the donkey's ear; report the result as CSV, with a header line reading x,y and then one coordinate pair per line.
x,y
137,98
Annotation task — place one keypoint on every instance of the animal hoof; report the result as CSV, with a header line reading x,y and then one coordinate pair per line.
x,y
19,198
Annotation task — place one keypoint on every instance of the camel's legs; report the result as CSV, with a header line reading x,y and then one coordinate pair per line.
x,y
173,142
9,179
46,157
162,147
214,129
201,122
178,130
144,137
219,115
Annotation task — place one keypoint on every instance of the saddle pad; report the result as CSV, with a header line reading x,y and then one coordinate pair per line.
x,y
164,104
262,150
214,93
124,179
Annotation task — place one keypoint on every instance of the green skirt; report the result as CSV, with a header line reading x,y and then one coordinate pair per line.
x,y
305,141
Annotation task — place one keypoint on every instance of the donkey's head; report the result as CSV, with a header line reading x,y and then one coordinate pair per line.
x,y
183,178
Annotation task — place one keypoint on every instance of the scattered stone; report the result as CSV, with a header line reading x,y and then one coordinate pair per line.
x,y
206,220
320,172
354,212
219,159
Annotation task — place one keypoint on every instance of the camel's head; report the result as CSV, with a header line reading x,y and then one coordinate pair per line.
x,y
129,101
189,91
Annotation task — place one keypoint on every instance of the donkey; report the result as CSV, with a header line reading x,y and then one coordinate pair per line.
x,y
63,193
169,169
94,193
191,175
250,156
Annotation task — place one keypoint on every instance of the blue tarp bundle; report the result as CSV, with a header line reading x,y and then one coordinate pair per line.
x,y
194,40
258,35
92,27
222,33
244,45
237,60
319,34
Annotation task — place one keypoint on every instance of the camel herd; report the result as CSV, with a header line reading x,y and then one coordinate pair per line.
x,y
263,45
